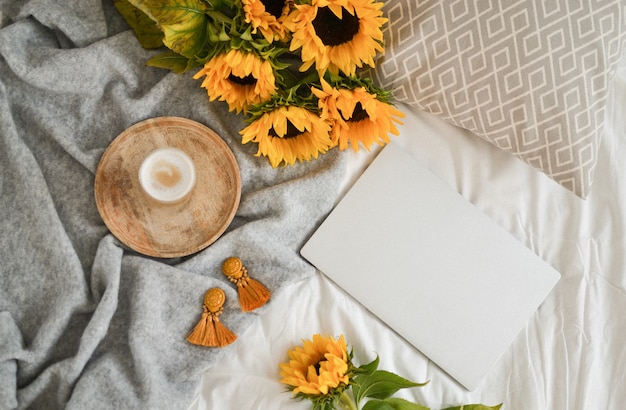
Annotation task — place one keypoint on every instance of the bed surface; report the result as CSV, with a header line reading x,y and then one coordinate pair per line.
x,y
570,356
87,323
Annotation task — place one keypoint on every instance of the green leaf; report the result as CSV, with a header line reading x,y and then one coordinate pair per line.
x,y
247,35
368,368
147,31
380,384
172,61
365,369
183,22
393,404
474,407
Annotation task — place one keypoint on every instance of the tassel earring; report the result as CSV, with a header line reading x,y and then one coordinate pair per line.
x,y
252,293
210,331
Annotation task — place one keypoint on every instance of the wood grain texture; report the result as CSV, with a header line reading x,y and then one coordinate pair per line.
x,y
167,230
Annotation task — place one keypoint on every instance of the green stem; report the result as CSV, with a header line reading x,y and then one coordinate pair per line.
x,y
346,402
310,77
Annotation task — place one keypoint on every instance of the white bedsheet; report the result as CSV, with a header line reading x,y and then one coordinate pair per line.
x,y
570,356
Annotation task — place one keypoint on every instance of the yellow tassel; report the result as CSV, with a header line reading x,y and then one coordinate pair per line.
x,y
210,331
252,293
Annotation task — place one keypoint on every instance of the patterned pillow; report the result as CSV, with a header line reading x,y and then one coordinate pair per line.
x,y
529,76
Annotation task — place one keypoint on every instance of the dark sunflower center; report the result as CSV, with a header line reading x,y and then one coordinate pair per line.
x,y
317,367
359,114
292,131
247,80
274,7
332,30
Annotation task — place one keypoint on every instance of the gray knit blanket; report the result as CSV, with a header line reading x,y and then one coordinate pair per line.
x,y
86,323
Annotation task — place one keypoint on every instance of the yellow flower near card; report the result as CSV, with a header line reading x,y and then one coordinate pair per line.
x,y
239,78
358,116
319,366
337,34
321,370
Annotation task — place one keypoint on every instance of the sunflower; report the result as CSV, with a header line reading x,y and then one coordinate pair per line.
x,y
240,78
357,116
319,367
267,16
337,34
288,133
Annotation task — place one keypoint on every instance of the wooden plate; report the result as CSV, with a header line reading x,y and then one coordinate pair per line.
x,y
167,230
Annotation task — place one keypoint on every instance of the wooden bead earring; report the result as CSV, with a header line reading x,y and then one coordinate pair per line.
x,y
252,293
210,331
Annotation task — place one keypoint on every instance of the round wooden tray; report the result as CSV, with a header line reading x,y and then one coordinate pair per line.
x,y
167,230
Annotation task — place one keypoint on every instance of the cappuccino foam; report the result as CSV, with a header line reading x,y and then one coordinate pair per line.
x,y
167,175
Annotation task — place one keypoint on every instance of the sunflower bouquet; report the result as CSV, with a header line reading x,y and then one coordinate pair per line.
x,y
291,67
321,370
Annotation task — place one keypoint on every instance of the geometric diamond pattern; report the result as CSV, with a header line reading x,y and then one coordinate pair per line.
x,y
531,77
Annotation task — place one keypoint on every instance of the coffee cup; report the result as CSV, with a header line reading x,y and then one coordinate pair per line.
x,y
167,175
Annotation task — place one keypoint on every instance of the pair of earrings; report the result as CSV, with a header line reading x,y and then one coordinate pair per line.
x,y
252,294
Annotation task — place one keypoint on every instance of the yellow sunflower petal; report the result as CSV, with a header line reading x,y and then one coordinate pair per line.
x,y
326,363
358,117
238,78
308,137
268,20
359,21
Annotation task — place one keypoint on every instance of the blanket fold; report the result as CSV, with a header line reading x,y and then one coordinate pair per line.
x,y
85,322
